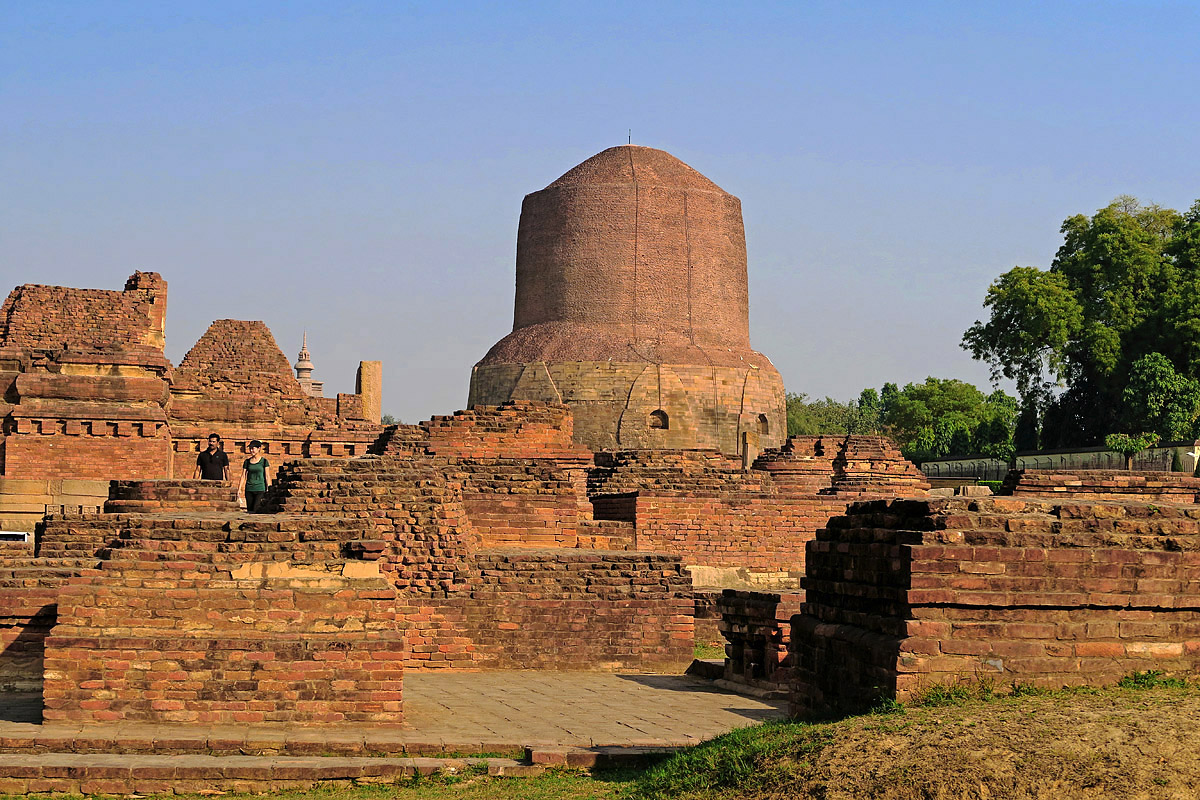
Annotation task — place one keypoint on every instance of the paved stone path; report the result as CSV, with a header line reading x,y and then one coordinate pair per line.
x,y
574,719
476,712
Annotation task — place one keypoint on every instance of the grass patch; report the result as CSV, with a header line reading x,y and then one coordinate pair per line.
x,y
709,650
940,695
748,760
1152,679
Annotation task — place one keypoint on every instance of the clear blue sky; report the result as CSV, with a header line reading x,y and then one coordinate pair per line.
x,y
356,169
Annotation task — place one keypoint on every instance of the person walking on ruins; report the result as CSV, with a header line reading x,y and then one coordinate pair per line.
x,y
256,477
212,464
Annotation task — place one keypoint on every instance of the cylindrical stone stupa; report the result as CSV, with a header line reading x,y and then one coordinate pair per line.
x,y
632,308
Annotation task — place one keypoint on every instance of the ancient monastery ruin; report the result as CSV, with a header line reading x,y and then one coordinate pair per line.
x,y
621,477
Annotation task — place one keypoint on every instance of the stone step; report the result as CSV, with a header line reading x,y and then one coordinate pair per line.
x,y
120,774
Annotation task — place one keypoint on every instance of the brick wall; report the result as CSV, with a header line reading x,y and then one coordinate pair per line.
x,y
1103,485
765,534
27,613
28,594
261,621
513,430
469,605
757,627
707,406
907,593
572,610
84,320
182,495
50,447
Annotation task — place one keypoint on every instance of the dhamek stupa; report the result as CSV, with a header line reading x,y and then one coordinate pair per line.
x,y
632,308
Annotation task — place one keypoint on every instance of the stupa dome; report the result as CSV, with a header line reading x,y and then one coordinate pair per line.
x,y
634,256
634,260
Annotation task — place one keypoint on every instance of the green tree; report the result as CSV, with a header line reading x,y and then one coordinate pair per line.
x,y
1159,399
1129,445
832,416
940,418
1124,284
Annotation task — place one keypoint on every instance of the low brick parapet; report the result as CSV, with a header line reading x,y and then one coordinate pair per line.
x,y
170,495
1103,485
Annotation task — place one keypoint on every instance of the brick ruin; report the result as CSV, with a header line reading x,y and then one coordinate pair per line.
x,y
87,396
492,539
488,539
1070,581
620,481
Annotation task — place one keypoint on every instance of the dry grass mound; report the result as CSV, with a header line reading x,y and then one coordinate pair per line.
x,y
1140,741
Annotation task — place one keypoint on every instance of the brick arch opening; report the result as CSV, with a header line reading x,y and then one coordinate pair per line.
x,y
659,420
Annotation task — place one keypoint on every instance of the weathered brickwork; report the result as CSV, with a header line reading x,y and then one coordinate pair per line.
x,y
88,394
761,533
632,307
477,528
83,379
27,613
223,621
86,320
156,496
572,610
28,606
706,406
906,593
57,449
1103,485
749,528
757,629
464,532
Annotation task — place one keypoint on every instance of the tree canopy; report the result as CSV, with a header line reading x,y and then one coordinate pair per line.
x,y
938,418
1109,336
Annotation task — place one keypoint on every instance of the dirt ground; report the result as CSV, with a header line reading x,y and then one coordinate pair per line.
x,y
1115,745
1120,746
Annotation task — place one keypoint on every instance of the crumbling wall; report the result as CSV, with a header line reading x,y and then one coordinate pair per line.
x,y
757,627
745,528
262,621
54,318
84,380
903,594
465,531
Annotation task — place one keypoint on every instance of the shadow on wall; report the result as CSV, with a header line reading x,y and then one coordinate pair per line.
x,y
20,661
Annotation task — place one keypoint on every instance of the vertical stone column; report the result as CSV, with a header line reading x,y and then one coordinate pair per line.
x,y
369,384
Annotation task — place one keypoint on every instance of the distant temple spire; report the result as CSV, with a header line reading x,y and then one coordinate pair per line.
x,y
304,368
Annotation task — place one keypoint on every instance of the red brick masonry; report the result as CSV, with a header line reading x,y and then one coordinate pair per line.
x,y
902,594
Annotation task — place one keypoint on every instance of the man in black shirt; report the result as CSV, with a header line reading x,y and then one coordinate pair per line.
x,y
212,464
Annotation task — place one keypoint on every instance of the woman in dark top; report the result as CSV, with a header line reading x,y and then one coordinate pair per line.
x,y
256,477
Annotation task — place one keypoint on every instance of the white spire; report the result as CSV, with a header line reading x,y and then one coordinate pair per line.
x,y
304,369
